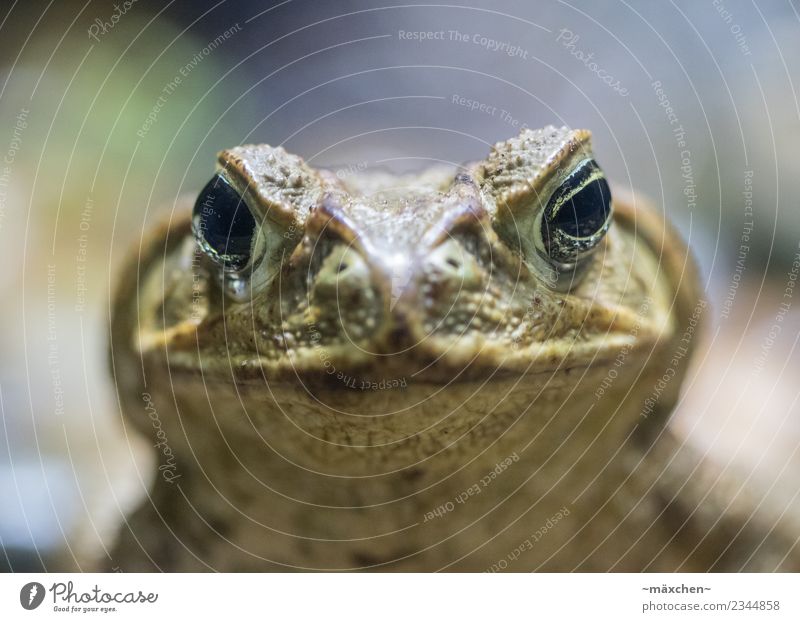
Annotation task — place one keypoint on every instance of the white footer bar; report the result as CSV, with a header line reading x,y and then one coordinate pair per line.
x,y
403,597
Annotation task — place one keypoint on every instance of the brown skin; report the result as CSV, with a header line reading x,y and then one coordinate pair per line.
x,y
401,385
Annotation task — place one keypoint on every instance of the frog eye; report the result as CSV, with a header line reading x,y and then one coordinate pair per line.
x,y
577,215
223,225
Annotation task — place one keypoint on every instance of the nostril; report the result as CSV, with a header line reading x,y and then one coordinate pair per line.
x,y
341,271
451,265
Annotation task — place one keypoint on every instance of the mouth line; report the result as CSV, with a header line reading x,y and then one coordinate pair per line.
x,y
400,374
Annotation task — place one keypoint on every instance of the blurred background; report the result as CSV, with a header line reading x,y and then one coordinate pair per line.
x,y
110,110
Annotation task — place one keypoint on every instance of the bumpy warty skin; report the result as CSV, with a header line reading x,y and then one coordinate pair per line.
x,y
403,387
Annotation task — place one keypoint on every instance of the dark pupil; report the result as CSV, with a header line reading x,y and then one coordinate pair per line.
x,y
223,225
584,213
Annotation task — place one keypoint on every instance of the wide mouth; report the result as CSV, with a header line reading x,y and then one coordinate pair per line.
x,y
345,368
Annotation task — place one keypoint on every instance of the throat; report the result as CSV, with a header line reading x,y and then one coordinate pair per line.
x,y
347,478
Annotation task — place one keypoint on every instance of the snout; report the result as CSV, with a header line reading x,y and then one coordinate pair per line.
x,y
388,285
